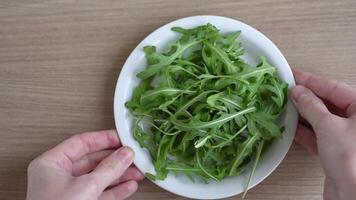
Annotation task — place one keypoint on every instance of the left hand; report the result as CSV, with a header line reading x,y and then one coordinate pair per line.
x,y
87,166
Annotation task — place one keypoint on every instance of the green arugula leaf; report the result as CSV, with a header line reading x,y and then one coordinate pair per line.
x,y
210,114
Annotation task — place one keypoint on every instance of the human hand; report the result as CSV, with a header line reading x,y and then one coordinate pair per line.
x,y
84,167
330,108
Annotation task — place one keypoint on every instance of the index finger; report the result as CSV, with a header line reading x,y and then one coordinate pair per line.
x,y
72,149
340,94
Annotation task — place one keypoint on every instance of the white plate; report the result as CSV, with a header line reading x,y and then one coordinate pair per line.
x,y
255,45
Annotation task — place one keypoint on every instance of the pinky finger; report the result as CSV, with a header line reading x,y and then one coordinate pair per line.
x,y
120,192
306,138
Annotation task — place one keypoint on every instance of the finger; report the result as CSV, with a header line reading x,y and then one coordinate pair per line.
x,y
310,106
338,93
306,138
72,149
351,110
112,167
120,192
88,162
132,173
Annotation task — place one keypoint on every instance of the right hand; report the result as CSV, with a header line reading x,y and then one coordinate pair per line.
x,y
330,108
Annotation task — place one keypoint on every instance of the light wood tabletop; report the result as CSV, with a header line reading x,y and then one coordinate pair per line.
x,y
60,59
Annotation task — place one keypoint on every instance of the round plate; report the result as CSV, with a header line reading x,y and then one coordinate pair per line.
x,y
255,45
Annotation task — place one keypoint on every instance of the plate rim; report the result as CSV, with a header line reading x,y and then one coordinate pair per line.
x,y
293,111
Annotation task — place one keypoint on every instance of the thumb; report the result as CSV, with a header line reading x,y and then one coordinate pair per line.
x,y
309,105
112,167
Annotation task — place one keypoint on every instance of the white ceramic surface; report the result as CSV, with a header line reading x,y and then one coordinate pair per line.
x,y
255,45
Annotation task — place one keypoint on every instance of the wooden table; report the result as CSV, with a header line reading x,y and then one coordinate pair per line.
x,y
59,61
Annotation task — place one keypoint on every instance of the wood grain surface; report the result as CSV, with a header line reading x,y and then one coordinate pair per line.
x,y
59,61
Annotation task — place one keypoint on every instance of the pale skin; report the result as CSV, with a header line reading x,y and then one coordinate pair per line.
x,y
94,166
333,130
87,166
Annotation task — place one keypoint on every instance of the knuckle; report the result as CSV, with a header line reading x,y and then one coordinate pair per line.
x,y
111,164
112,138
309,100
88,142
75,138
337,85
309,79
79,140
34,164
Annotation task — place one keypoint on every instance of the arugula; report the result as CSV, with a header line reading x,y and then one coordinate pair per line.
x,y
210,113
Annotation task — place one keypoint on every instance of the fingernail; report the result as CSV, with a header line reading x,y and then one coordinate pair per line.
x,y
125,154
299,92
